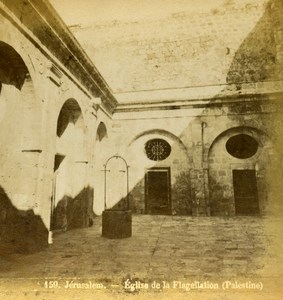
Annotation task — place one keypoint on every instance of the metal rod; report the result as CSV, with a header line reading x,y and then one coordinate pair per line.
x,y
128,204
104,187
127,170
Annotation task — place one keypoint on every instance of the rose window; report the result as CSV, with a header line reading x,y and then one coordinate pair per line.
x,y
157,149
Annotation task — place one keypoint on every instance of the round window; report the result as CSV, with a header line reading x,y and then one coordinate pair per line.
x,y
242,146
157,149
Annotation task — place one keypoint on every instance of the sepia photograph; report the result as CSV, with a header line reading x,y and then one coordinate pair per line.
x,y
141,149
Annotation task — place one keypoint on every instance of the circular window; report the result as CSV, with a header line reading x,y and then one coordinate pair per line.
x,y
157,149
242,146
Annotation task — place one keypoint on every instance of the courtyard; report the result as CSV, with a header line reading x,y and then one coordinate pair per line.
x,y
165,254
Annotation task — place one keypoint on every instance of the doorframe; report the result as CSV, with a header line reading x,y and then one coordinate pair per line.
x,y
156,169
256,185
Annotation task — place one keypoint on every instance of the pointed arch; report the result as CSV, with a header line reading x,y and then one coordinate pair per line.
x,y
101,132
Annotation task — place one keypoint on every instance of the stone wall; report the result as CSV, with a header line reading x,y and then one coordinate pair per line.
x,y
247,100
221,165
35,85
233,42
201,167
53,150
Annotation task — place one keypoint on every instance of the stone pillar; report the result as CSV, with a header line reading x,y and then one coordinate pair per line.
x,y
206,187
48,93
91,140
198,173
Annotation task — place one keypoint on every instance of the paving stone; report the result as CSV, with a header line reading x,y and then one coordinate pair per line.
x,y
169,253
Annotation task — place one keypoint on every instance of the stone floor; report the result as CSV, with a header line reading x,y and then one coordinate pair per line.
x,y
173,251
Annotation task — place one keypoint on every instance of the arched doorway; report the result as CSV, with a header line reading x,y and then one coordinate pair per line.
x,y
20,151
70,196
160,174
238,159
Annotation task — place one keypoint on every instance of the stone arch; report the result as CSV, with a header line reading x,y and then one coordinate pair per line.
x,y
101,132
70,197
239,129
71,127
226,172
18,43
101,154
160,132
177,163
21,142
69,113
13,70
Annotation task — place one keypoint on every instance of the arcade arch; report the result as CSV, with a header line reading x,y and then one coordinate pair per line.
x,y
70,201
21,148
237,172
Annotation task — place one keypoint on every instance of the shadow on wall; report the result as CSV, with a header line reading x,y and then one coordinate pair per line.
x,y
74,212
182,195
257,58
20,231
255,61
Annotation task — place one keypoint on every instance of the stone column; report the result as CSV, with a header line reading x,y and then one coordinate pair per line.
x,y
198,173
91,139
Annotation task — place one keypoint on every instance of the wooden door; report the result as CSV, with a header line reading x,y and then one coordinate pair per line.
x,y
245,192
158,198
